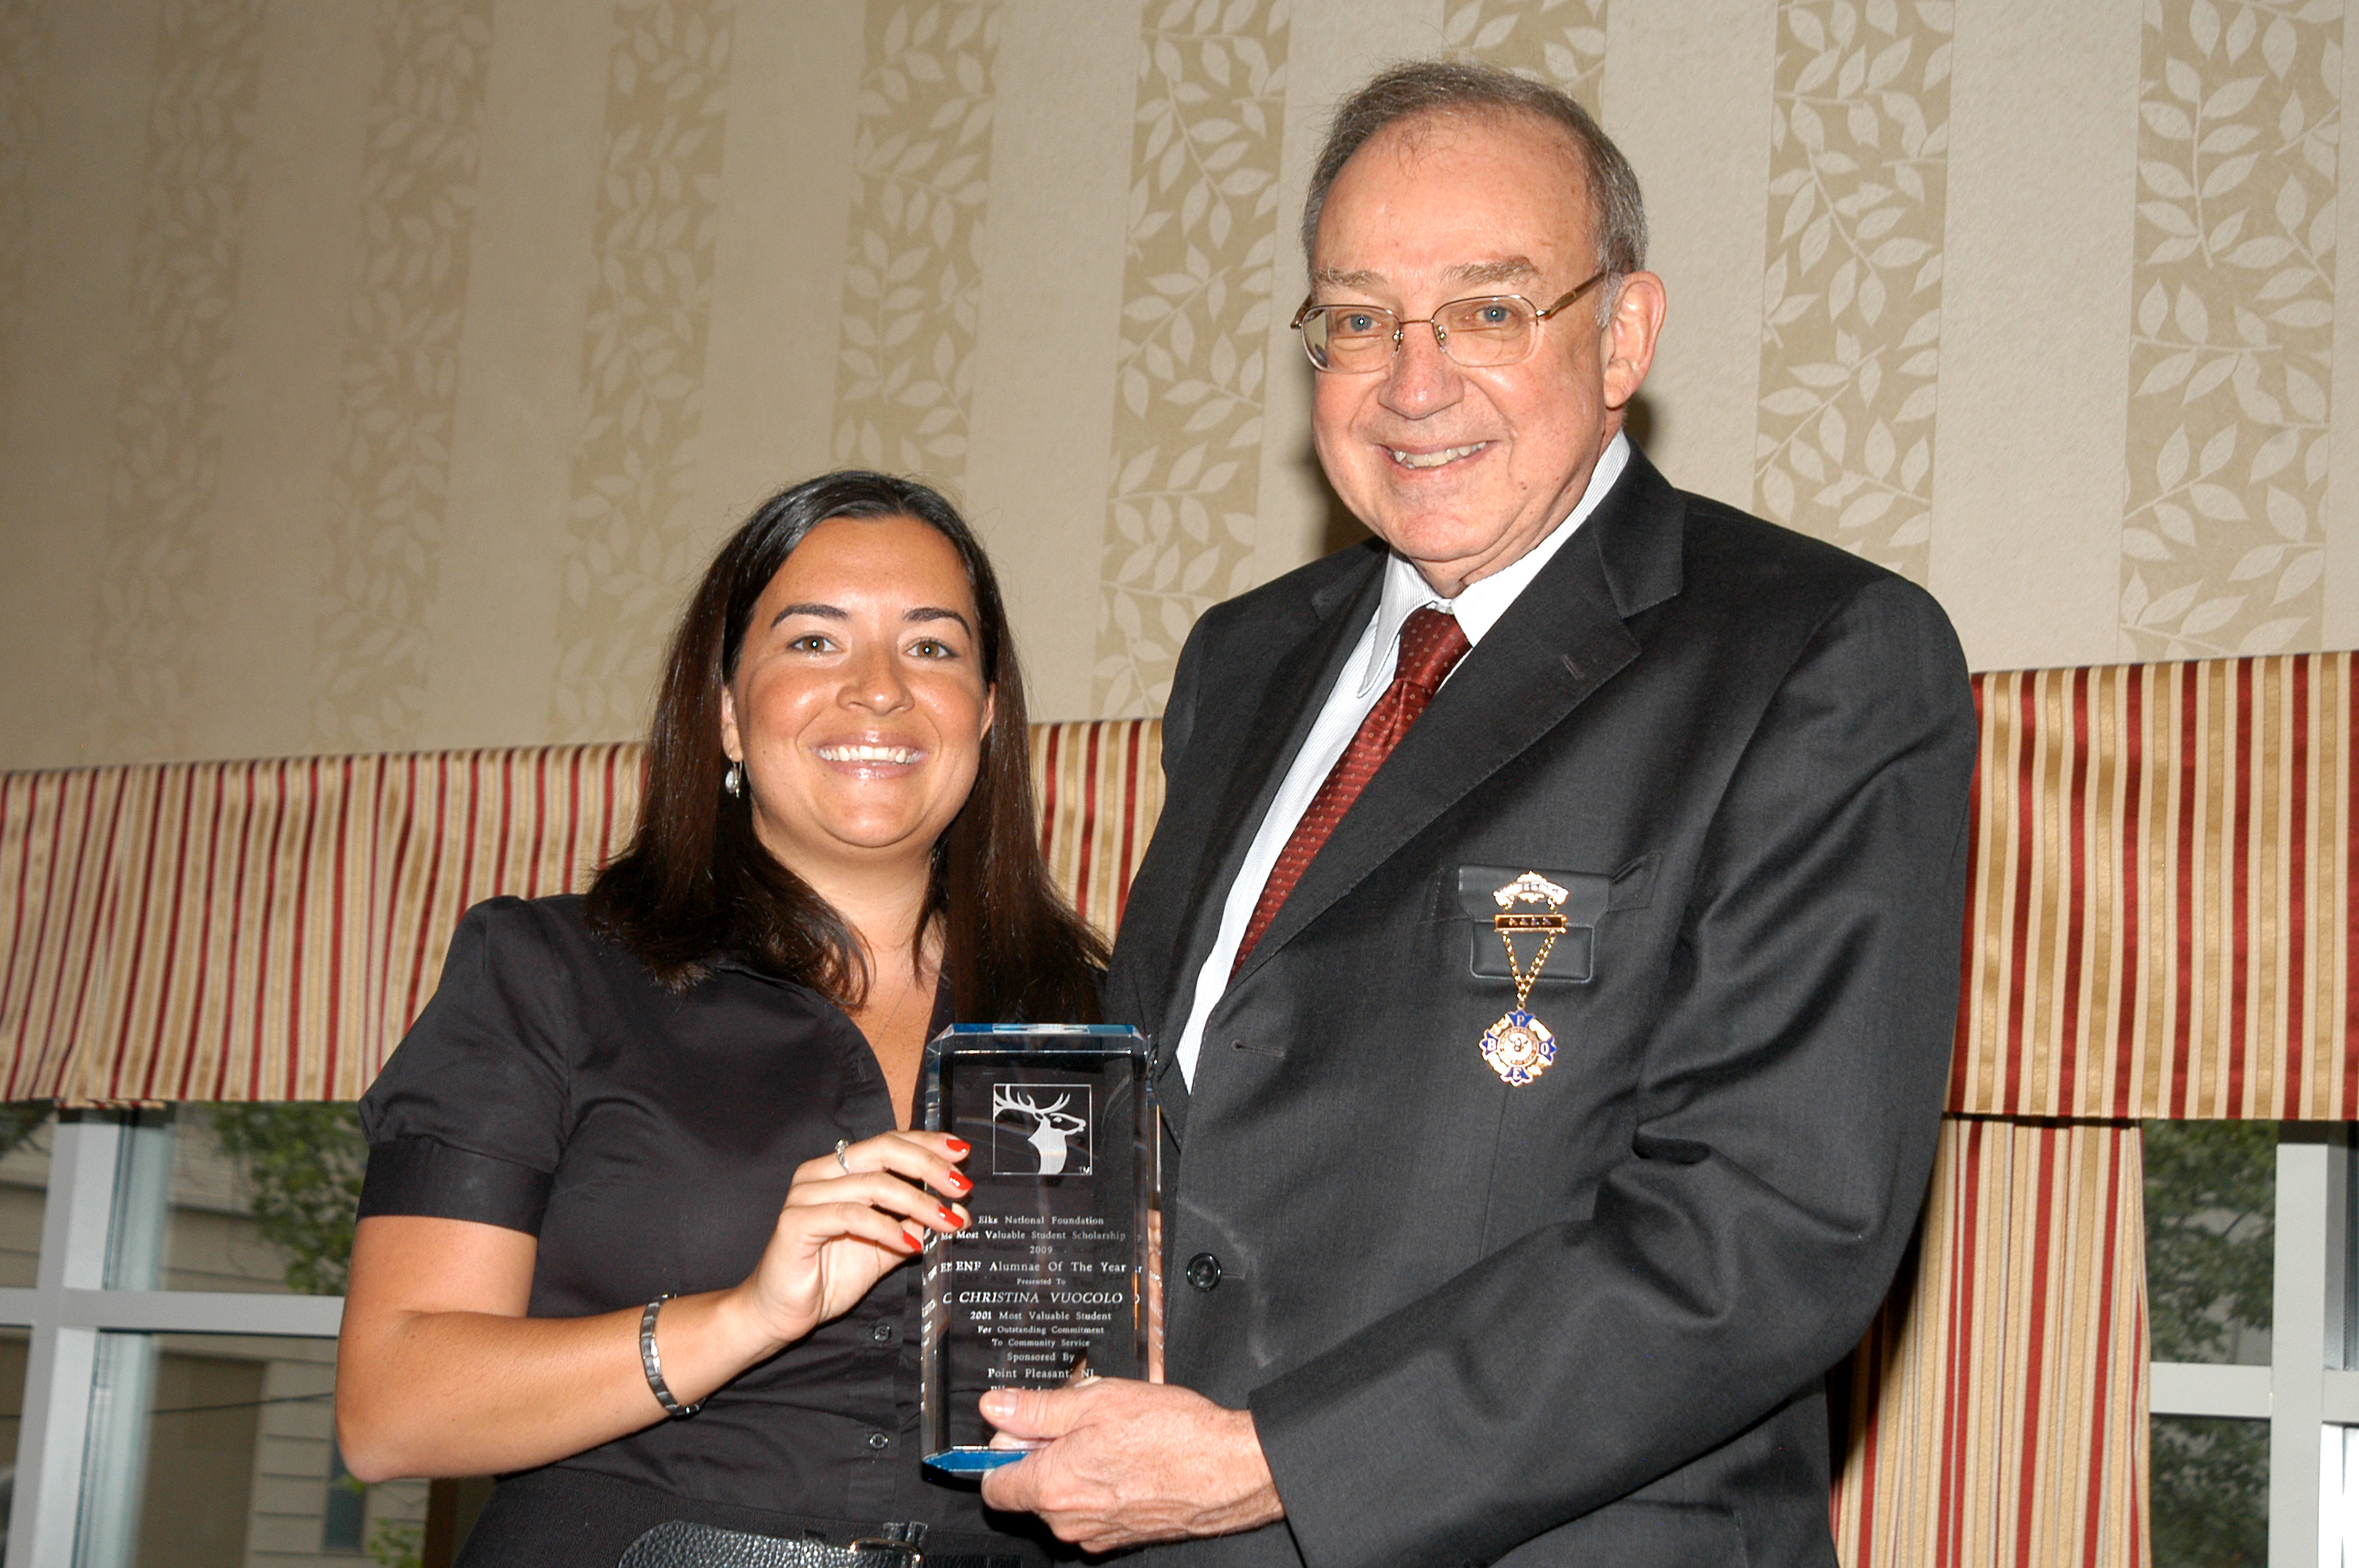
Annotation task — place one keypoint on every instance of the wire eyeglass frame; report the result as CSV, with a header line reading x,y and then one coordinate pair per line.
x,y
1316,339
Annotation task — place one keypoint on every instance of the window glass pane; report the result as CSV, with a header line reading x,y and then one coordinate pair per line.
x,y
262,1197
25,1133
2211,1199
2211,1492
12,1409
343,1527
2351,1265
214,1451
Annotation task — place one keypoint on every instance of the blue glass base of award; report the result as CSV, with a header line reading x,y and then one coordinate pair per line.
x,y
1050,1277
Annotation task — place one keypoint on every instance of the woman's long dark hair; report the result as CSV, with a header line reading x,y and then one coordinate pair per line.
x,y
696,884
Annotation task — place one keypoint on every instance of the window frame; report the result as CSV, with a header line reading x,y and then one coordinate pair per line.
x,y
2307,1394
70,1305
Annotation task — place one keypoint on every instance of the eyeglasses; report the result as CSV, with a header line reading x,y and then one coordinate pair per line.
x,y
1488,330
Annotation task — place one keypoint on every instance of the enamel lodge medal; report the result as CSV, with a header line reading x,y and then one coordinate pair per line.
x,y
1519,1046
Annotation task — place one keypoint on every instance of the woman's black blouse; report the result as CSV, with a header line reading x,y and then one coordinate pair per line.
x,y
647,1139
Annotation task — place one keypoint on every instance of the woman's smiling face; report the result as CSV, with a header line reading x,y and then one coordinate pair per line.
x,y
859,706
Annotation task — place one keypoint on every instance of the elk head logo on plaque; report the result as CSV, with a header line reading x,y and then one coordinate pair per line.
x,y
1043,1118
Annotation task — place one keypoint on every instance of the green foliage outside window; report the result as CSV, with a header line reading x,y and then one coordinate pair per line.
x,y
397,1543
2211,1492
394,1543
303,1164
2210,1204
19,1119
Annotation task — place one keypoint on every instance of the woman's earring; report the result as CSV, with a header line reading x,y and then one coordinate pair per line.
x,y
734,781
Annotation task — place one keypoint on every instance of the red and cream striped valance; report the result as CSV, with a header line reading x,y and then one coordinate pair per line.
x,y
249,931
244,931
2159,922
2159,912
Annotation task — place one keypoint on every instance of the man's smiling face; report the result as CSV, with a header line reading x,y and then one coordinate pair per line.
x,y
1463,470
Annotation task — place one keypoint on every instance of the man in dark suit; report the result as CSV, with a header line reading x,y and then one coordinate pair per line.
x,y
1552,1088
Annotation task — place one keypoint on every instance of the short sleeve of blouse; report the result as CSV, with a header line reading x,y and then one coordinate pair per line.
x,y
470,1116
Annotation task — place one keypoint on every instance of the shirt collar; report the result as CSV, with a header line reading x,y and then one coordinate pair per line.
x,y
1479,605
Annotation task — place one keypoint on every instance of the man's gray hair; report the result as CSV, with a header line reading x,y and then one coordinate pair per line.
x,y
1420,87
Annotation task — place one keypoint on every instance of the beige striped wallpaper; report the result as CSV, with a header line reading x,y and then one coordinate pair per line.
x,y
373,374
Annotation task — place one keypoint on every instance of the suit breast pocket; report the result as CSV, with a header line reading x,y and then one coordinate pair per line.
x,y
1528,905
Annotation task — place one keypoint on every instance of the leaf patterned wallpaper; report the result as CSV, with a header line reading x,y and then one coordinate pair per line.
x,y
632,538
1205,234
911,263
423,137
377,373
1850,291
169,402
22,38
2233,350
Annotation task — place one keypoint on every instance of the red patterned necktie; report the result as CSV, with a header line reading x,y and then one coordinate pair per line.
x,y
1430,644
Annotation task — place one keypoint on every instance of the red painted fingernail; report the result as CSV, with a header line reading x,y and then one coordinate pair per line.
x,y
953,1221
961,1146
960,1183
916,1243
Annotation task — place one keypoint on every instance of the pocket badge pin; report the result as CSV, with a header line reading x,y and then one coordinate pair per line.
x,y
1519,1046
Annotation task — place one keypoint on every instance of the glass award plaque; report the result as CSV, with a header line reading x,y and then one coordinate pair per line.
x,y
1050,1276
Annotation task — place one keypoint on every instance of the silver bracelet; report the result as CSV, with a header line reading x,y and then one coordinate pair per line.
x,y
651,1360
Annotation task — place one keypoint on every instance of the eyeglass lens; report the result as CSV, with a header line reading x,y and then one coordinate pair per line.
x,y
1488,331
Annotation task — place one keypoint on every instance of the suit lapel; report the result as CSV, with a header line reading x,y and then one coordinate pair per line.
x,y
1562,639
1248,751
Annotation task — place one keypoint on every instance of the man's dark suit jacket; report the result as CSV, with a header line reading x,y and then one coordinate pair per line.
x,y
1583,1320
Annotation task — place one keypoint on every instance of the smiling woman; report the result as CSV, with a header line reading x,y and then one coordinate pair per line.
x,y
858,707
649,1154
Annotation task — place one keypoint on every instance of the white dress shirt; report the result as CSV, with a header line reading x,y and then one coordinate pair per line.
x,y
1363,680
